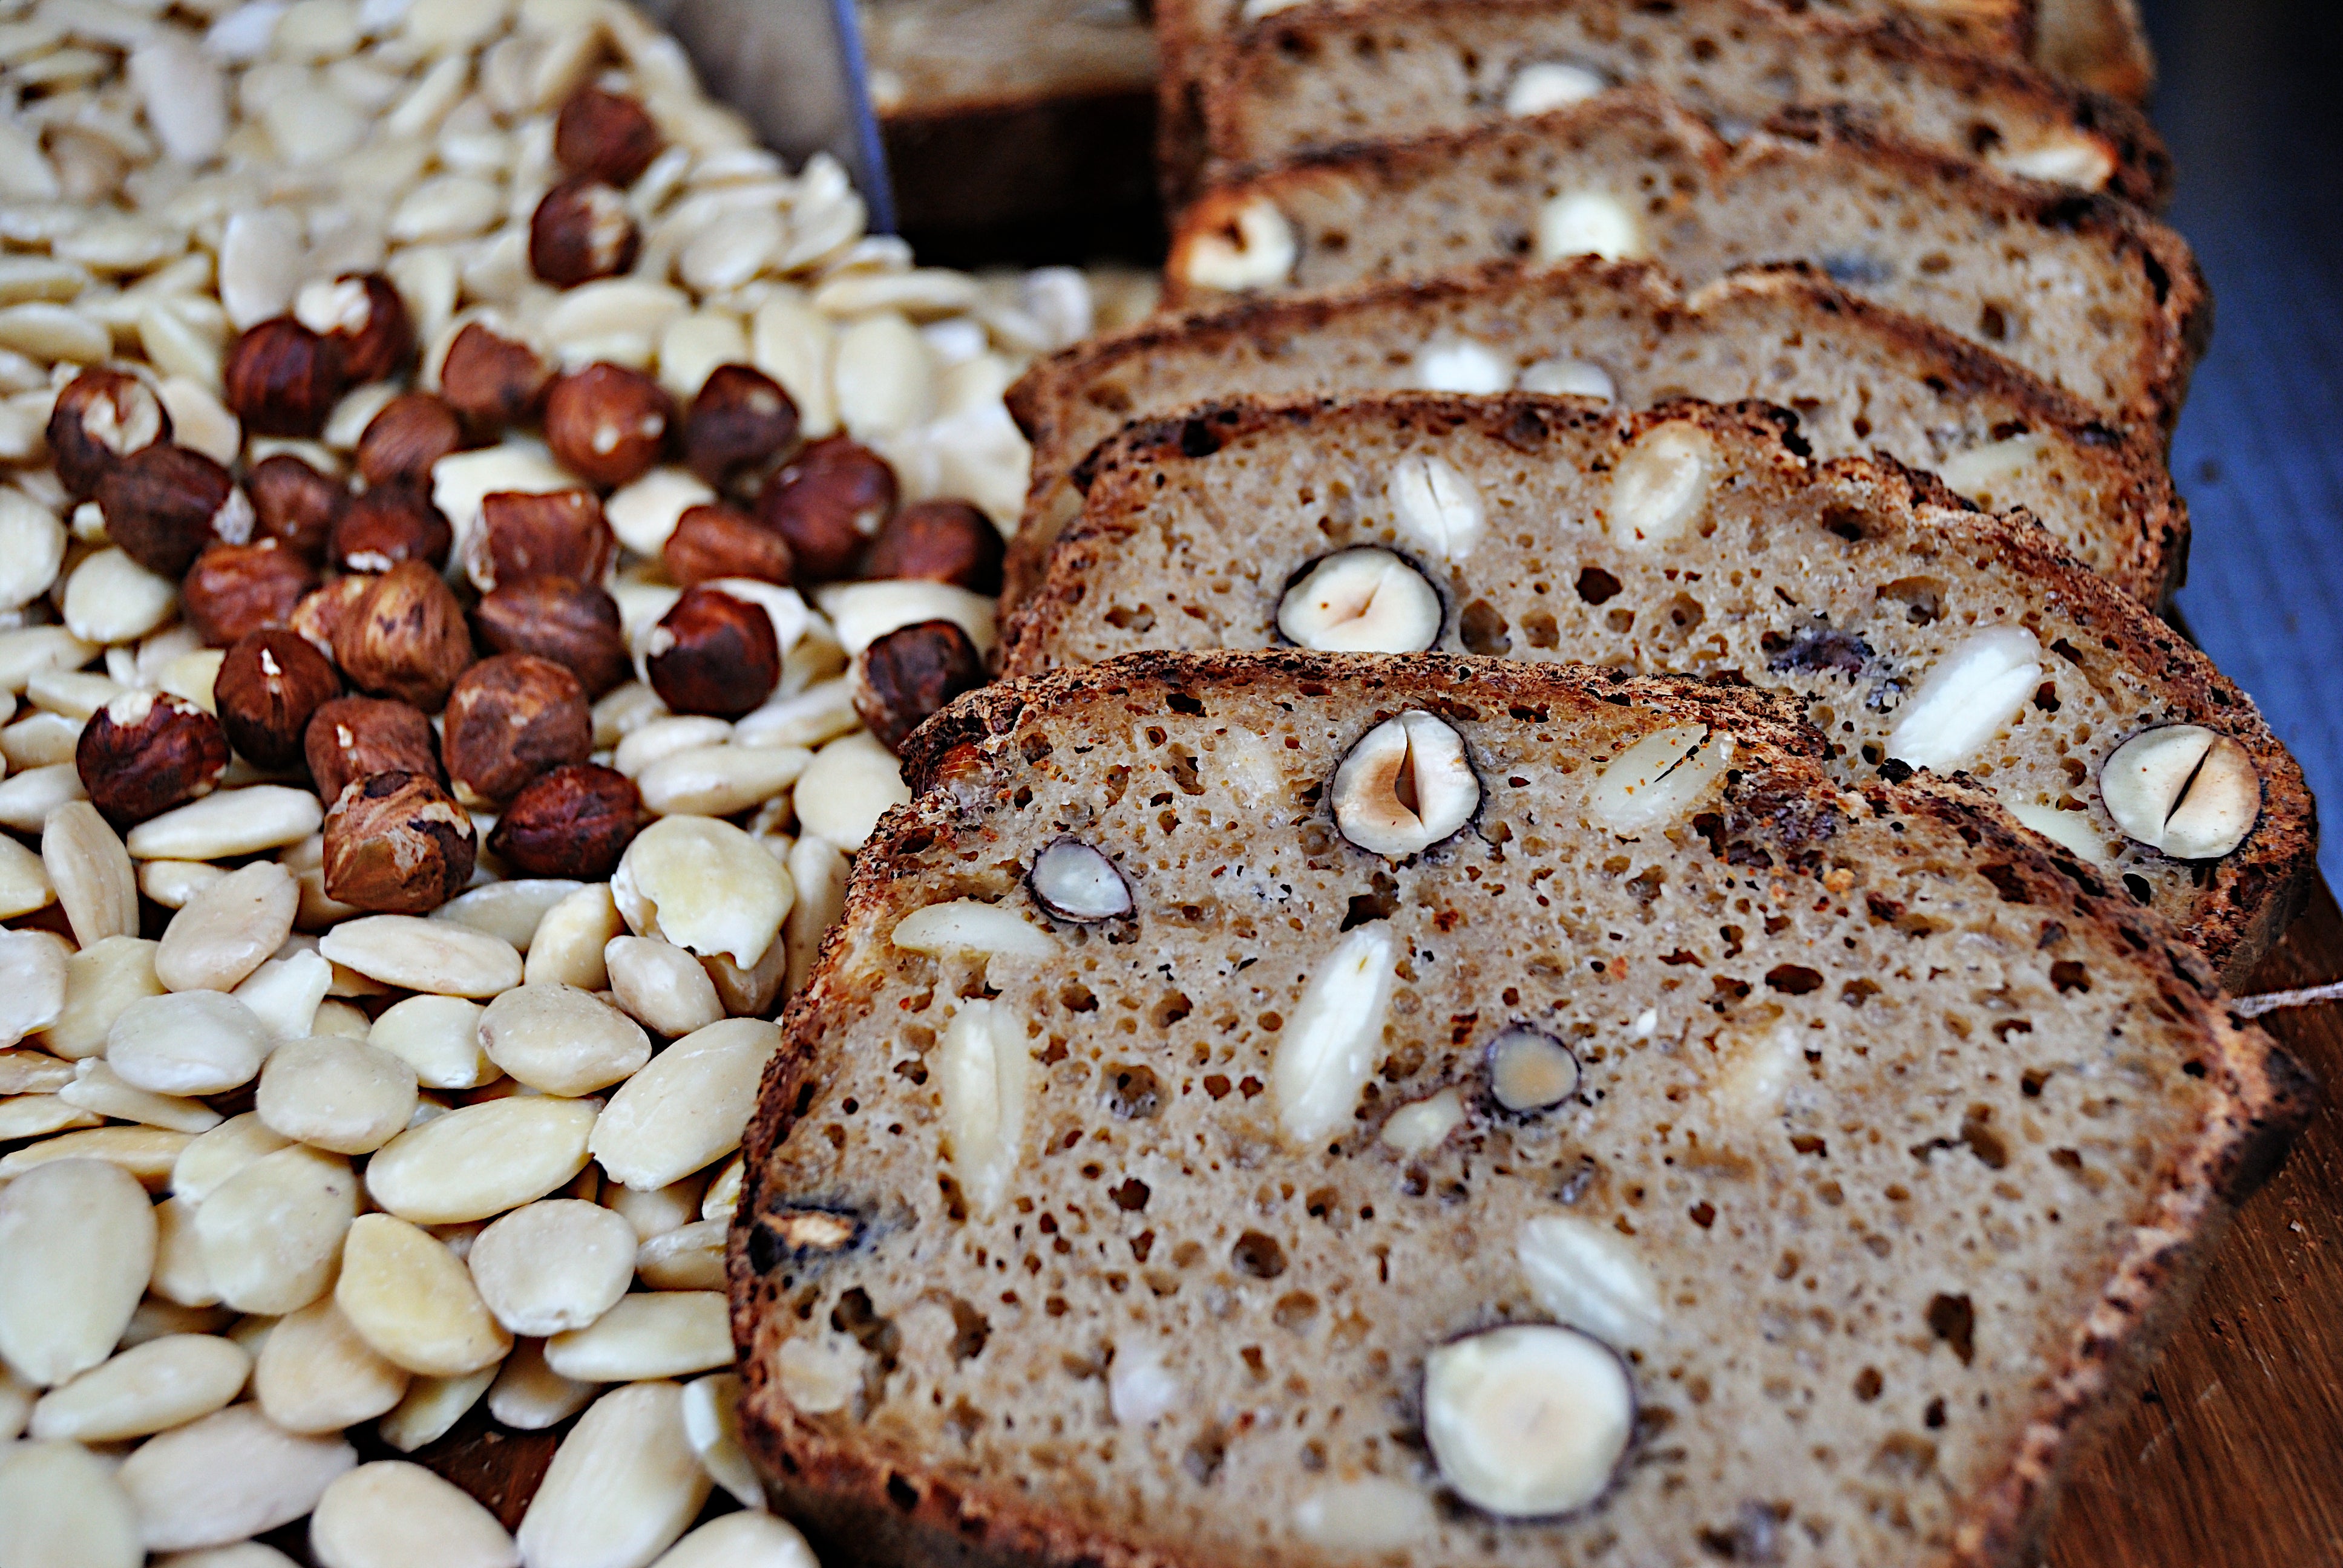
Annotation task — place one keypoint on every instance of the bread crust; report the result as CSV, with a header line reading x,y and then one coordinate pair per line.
x,y
1236,68
2170,344
2149,557
2250,897
865,1503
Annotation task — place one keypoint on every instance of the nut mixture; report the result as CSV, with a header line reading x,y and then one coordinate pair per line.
x,y
472,526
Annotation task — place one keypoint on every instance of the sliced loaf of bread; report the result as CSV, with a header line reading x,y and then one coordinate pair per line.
x,y
1331,72
1860,378
1289,1110
1919,632
2087,292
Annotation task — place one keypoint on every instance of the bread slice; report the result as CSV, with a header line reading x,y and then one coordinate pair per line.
x,y
2100,44
1860,378
2086,292
1695,539
1332,73
1190,32
1878,1144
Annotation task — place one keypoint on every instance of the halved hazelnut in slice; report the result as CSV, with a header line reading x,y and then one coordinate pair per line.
x,y
2184,790
1530,1071
1528,1421
1363,601
1404,787
1076,882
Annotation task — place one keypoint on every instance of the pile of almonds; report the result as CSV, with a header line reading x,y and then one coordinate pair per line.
x,y
473,528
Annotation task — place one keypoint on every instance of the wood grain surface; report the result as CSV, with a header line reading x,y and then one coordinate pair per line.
x,y
2230,1455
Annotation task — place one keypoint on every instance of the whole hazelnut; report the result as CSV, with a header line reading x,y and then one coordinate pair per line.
x,y
363,315
269,686
233,589
405,637
714,654
721,541
581,230
604,135
575,822
940,541
741,417
101,418
490,379
293,502
828,504
388,524
574,624
282,379
396,844
524,534
320,612
404,438
352,737
163,504
911,672
508,719
608,423
146,751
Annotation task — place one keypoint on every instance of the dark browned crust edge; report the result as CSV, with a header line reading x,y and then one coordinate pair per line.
x,y
1230,64
1051,386
2166,357
864,1506
2252,894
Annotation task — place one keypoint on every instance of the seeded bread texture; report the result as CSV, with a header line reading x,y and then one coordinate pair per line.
x,y
1331,72
1860,378
2088,293
1843,583
1893,1280
1190,32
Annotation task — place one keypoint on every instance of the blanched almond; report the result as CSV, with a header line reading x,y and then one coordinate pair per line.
x,y
409,1298
76,1246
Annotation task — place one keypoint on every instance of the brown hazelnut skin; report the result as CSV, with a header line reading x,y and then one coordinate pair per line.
x,y
404,438
233,589
580,231
351,737
269,686
405,637
145,752
560,533
163,503
396,844
492,380
282,379
323,609
604,135
724,542
508,719
384,345
910,673
939,542
294,503
714,654
575,822
389,524
608,423
828,504
741,417
574,624
99,418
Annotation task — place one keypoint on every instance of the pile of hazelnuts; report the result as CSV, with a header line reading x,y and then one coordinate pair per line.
x,y
344,633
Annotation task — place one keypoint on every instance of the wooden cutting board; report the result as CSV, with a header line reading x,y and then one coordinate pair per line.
x,y
2231,1456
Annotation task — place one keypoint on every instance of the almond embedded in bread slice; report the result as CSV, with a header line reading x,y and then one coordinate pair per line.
x,y
1859,1141
1861,379
2087,292
1329,73
1686,538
